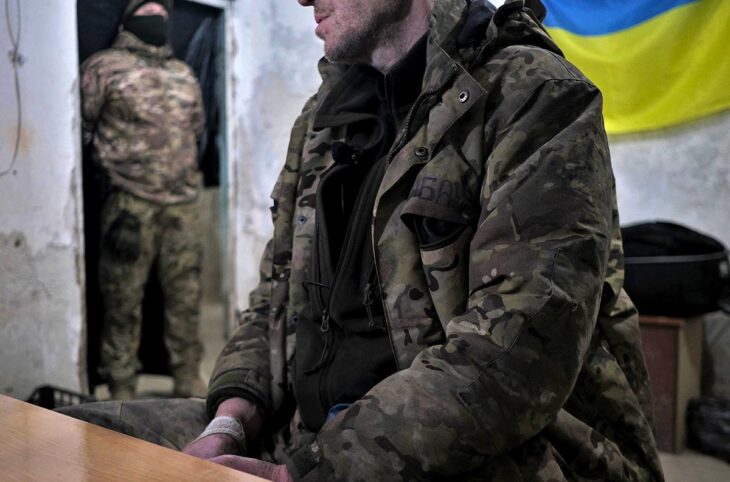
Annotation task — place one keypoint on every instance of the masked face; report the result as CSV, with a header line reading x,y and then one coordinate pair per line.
x,y
149,23
352,29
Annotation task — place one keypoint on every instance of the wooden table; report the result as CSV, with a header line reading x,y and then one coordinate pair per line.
x,y
39,445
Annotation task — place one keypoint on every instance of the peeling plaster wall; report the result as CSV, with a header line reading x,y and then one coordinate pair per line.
x,y
273,72
41,246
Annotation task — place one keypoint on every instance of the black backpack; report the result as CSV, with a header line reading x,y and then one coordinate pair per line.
x,y
672,270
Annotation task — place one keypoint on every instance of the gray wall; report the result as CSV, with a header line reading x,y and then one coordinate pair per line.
x,y
41,247
680,174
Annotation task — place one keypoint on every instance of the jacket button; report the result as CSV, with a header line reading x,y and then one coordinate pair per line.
x,y
421,152
463,96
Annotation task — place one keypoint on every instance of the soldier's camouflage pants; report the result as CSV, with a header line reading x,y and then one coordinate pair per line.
x,y
135,234
172,423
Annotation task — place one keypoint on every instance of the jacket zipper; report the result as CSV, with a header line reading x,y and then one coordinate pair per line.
x,y
324,326
386,317
344,263
346,256
367,302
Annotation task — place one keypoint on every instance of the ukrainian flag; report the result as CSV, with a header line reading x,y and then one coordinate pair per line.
x,y
657,62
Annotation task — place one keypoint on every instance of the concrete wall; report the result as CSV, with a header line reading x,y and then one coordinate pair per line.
x,y
41,247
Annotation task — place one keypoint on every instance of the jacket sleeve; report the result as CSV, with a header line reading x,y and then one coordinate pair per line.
x,y
93,95
198,110
537,262
242,367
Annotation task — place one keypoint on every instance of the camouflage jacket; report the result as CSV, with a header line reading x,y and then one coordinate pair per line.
x,y
142,111
518,351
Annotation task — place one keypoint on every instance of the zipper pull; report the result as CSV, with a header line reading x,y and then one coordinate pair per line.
x,y
367,302
325,326
328,335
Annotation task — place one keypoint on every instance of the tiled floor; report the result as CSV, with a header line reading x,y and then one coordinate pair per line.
x,y
684,467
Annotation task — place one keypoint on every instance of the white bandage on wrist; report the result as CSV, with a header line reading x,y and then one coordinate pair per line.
x,y
229,426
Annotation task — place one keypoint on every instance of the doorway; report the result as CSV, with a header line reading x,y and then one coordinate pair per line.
x,y
197,36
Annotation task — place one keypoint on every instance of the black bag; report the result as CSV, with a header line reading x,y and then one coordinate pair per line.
x,y
672,270
708,426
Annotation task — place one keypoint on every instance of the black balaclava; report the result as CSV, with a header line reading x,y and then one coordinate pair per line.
x,y
151,29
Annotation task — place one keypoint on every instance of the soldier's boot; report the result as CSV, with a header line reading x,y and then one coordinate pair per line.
x,y
189,384
122,389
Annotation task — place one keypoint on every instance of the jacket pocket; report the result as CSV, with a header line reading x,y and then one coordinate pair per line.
x,y
444,235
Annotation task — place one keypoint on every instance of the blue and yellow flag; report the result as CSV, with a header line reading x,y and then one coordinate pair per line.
x,y
657,62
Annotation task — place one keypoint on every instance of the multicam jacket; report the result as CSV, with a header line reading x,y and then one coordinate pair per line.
x,y
142,111
518,351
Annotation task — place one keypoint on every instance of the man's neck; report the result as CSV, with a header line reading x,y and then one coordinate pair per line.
x,y
403,36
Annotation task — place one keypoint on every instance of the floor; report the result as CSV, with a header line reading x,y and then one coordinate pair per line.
x,y
682,467
691,466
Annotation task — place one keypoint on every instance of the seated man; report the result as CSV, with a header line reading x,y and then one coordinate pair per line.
x,y
442,297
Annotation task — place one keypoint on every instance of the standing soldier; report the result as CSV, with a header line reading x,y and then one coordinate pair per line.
x,y
142,111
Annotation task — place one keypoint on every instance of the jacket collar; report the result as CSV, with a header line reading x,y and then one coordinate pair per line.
x,y
128,41
463,32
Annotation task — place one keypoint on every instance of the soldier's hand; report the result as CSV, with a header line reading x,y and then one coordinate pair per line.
x,y
231,413
212,446
259,468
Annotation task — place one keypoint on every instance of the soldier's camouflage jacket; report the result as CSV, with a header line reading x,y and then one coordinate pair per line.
x,y
518,351
142,111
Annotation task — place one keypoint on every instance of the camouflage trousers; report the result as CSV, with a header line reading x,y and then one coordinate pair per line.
x,y
136,234
171,423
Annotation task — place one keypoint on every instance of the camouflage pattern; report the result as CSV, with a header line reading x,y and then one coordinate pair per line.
x,y
142,112
171,423
518,351
135,234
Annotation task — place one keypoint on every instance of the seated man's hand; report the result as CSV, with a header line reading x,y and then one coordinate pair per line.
x,y
241,426
212,446
259,468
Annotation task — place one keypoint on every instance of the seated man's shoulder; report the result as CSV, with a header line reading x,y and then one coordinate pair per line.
x,y
527,66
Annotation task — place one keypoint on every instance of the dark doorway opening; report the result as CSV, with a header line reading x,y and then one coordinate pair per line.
x,y
196,38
